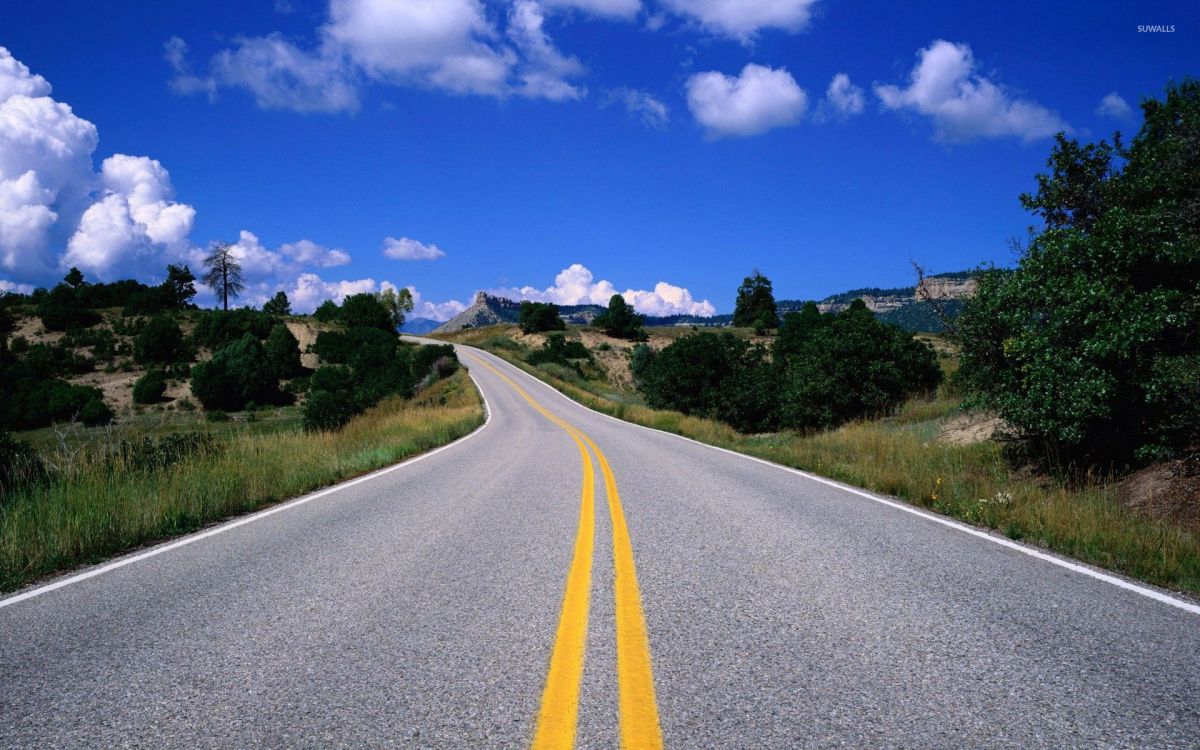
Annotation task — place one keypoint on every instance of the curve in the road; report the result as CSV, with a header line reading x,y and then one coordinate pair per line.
x,y
639,722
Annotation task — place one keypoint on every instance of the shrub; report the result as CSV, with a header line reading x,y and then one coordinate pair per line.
x,y
847,366
333,347
63,308
558,349
160,342
327,311
149,388
537,317
216,328
282,351
95,412
1089,348
331,399
27,403
712,375
424,358
236,374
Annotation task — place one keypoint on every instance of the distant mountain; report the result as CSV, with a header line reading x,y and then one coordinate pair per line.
x,y
485,310
418,326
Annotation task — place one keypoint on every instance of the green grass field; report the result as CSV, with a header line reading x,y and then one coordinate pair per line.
x,y
99,507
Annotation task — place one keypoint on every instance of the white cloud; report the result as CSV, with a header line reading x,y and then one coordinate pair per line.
x,y
451,45
576,285
623,9
440,311
50,196
406,248
963,105
644,106
310,290
309,253
283,76
1114,107
10,286
743,19
754,102
546,70
843,98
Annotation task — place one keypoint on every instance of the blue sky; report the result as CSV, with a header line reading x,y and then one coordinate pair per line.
x,y
553,149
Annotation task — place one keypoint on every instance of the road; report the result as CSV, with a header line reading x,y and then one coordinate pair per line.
x,y
460,601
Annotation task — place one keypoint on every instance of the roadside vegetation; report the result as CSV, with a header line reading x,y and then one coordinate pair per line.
x,y
128,415
1074,421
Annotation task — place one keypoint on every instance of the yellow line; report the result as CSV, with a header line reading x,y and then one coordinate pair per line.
x,y
635,676
640,728
560,696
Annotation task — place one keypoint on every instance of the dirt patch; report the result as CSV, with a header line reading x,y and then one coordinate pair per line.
x,y
117,388
968,429
1169,491
32,329
306,333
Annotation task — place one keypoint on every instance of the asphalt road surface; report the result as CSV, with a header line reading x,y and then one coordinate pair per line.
x,y
482,596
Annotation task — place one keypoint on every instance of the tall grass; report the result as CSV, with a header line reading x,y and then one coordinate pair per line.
x,y
901,456
101,508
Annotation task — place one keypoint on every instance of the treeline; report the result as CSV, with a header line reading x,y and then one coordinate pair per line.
x,y
819,371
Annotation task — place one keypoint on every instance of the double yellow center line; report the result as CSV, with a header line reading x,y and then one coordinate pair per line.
x,y
559,712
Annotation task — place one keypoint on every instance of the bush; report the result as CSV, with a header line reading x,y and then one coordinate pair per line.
x,y
149,388
558,349
27,403
216,328
282,351
848,366
327,311
63,308
1089,348
537,317
425,359
160,342
237,374
712,375
332,400
333,347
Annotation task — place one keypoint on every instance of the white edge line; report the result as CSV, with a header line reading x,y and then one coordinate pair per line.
x,y
898,505
252,517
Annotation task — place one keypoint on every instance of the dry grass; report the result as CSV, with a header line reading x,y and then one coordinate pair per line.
x,y
903,457
99,509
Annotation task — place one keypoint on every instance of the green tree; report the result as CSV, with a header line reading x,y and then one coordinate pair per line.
x,y
237,374
327,312
621,321
180,286
755,305
160,342
282,351
537,317
74,278
279,305
366,311
398,302
224,275
1088,350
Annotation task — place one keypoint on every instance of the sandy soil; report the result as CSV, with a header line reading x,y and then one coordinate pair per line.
x,y
967,429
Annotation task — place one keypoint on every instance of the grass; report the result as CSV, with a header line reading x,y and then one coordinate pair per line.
x,y
97,508
901,456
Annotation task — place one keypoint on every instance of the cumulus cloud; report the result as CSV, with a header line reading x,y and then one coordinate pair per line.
x,y
743,19
51,197
1114,107
945,87
650,110
576,285
10,286
451,45
757,100
843,98
406,248
310,290
440,311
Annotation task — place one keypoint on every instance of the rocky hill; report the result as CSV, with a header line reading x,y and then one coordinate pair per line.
x,y
485,310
